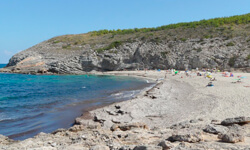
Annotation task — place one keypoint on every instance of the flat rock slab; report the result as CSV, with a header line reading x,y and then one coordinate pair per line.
x,y
187,136
147,148
237,120
214,129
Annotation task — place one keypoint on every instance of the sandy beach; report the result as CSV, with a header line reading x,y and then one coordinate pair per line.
x,y
176,104
180,97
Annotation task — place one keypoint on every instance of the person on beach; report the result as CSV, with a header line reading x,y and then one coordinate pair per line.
x,y
210,84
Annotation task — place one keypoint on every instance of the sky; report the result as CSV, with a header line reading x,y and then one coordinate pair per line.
x,y
25,23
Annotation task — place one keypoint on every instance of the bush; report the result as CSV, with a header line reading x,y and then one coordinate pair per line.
x,y
248,57
230,44
54,42
156,40
183,39
115,44
66,46
231,61
216,22
164,54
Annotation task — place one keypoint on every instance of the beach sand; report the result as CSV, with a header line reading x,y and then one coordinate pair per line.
x,y
178,98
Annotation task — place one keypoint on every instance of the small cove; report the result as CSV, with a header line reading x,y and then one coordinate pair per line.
x,y
30,104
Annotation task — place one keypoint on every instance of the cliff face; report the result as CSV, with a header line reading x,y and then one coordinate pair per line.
x,y
192,53
221,42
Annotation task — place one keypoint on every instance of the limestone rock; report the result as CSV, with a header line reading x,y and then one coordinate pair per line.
x,y
231,137
181,125
49,57
76,128
125,127
235,134
237,120
165,145
187,136
4,139
99,147
214,129
147,148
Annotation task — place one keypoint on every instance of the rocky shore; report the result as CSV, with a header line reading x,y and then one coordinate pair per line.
x,y
179,112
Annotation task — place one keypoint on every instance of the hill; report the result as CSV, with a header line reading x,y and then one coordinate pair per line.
x,y
222,43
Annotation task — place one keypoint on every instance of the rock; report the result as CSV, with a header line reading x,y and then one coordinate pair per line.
x,y
53,144
76,128
193,121
234,135
99,147
200,119
187,136
214,129
231,137
53,57
58,130
237,120
130,147
117,107
181,125
165,145
125,127
114,127
76,147
147,148
5,139
215,121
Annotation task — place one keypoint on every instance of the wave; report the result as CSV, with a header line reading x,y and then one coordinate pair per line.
x,y
12,97
7,120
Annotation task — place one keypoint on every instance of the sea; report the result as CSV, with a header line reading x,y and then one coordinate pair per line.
x,y
30,104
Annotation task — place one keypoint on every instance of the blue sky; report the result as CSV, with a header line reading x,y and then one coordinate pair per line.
x,y
24,23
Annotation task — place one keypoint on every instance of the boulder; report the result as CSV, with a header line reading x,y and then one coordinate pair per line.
x,y
237,120
147,148
181,125
231,137
165,145
125,127
234,135
187,136
214,129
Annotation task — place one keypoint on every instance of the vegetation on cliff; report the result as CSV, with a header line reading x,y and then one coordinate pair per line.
x,y
217,22
226,27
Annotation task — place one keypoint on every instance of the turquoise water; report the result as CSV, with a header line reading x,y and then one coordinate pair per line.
x,y
30,104
2,65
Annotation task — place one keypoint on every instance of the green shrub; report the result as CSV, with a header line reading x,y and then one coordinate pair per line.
x,y
248,57
54,42
164,54
230,44
115,44
208,36
156,40
183,39
232,60
216,22
68,46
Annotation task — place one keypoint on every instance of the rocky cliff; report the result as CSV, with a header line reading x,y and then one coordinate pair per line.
x,y
205,46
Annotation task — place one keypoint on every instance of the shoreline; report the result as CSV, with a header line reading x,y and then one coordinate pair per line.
x,y
124,95
177,104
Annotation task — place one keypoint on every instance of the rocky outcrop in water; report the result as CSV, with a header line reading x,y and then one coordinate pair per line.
x,y
49,57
